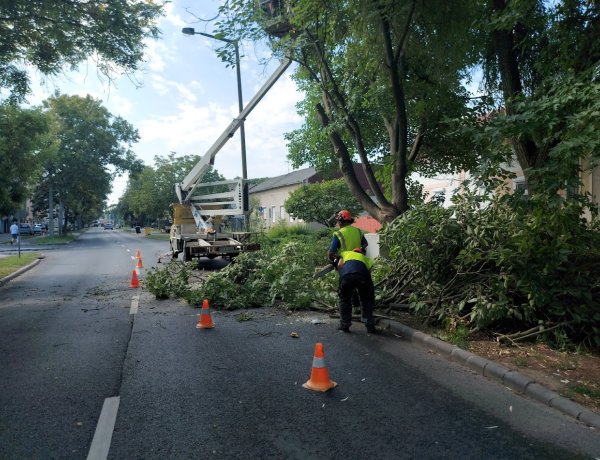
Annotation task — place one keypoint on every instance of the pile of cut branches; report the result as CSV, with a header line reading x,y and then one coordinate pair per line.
x,y
516,267
280,274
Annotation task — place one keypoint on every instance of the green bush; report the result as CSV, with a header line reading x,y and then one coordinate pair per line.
x,y
508,264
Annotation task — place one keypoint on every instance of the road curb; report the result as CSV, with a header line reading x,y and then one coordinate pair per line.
x,y
20,271
514,380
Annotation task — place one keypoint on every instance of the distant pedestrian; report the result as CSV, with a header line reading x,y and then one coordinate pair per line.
x,y
14,232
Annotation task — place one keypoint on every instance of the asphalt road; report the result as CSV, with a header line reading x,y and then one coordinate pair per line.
x,y
74,339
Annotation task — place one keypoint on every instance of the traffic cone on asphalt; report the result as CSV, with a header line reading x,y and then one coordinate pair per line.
x,y
135,283
206,321
138,254
139,263
319,375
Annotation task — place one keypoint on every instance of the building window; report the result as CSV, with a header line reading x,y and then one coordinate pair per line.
x,y
281,213
520,186
438,196
273,217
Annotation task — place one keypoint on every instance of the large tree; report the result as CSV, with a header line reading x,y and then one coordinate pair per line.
x,y
379,76
91,146
320,202
543,60
21,138
50,35
149,195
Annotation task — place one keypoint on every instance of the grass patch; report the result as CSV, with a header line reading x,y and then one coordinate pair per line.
x,y
520,361
42,240
584,390
11,264
245,316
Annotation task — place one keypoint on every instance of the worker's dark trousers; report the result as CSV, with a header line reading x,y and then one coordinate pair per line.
x,y
364,285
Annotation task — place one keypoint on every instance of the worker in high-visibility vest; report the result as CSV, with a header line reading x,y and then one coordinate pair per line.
x,y
346,237
355,276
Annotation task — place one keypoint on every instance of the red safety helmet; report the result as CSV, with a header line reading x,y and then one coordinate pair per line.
x,y
343,216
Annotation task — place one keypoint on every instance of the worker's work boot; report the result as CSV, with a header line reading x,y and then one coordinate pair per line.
x,y
344,327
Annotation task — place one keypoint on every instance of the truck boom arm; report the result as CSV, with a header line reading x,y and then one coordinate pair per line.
x,y
186,188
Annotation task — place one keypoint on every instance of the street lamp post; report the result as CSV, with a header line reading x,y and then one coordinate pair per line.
x,y
192,31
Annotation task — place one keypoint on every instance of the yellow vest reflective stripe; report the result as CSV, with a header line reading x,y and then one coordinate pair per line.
x,y
349,237
351,255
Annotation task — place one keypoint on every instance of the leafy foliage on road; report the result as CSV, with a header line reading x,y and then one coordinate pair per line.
x,y
281,275
171,280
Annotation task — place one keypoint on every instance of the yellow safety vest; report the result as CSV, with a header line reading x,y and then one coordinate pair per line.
x,y
351,255
349,237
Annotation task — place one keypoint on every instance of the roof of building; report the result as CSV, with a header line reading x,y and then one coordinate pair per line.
x,y
300,176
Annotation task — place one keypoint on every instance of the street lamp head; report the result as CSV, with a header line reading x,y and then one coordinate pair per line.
x,y
188,31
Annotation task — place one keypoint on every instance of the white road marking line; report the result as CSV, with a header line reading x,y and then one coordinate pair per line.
x,y
104,430
135,303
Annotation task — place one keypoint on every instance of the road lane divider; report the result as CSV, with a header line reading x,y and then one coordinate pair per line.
x,y
135,305
104,429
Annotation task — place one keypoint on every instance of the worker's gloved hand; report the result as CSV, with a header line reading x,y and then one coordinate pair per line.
x,y
334,262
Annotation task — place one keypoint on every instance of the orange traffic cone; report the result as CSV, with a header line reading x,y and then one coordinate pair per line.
x,y
319,375
206,321
134,280
139,263
138,254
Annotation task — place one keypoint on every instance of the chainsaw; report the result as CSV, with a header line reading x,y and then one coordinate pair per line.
x,y
326,269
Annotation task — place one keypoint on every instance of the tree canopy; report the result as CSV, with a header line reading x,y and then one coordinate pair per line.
x,y
320,202
150,193
90,145
543,59
379,78
21,138
51,35
386,82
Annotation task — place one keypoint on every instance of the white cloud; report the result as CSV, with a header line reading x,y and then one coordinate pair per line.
x,y
188,98
154,55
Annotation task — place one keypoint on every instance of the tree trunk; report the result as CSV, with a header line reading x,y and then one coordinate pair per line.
x,y
398,127
528,154
50,209
347,169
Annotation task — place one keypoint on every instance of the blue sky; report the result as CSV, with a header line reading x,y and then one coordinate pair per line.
x,y
188,97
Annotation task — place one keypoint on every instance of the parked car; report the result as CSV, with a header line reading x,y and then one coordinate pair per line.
x,y
38,229
108,226
25,228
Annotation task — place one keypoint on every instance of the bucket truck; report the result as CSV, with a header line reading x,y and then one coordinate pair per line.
x,y
196,230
